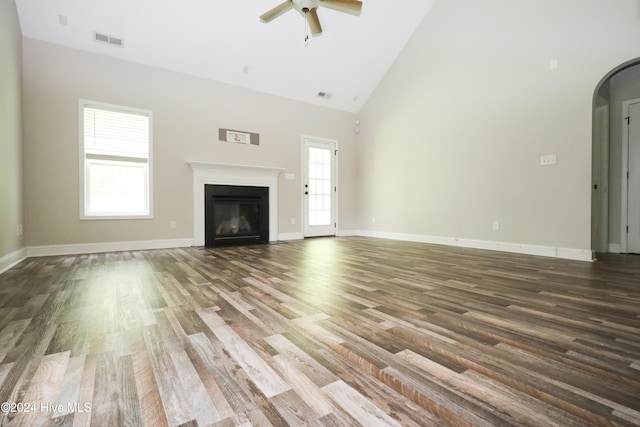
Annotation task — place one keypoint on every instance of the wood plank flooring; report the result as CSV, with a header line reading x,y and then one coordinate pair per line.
x,y
329,332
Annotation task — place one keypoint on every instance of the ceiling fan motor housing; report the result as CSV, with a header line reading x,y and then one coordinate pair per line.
x,y
301,5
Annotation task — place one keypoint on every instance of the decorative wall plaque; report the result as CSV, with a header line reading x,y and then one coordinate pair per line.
x,y
238,136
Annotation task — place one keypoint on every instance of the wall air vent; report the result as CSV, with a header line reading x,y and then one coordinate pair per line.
x,y
103,38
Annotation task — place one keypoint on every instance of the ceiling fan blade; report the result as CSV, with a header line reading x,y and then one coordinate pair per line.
x,y
314,22
353,7
276,11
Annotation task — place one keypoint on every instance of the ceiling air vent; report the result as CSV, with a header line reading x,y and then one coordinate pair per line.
x,y
101,37
107,39
115,41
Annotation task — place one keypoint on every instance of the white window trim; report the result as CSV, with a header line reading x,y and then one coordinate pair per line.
x,y
82,165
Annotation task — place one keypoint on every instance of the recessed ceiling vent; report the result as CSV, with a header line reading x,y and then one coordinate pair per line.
x,y
325,95
107,39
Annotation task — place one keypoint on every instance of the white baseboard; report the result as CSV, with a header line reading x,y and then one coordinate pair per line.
x,y
548,251
290,236
615,248
11,259
89,248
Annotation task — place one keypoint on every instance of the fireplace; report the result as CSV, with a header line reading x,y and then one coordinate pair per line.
x,y
236,215
236,175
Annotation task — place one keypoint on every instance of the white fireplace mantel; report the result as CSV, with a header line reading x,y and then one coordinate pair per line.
x,y
224,174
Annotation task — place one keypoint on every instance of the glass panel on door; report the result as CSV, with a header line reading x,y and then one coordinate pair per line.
x,y
319,186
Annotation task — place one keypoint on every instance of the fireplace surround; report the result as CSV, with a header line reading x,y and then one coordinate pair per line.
x,y
205,173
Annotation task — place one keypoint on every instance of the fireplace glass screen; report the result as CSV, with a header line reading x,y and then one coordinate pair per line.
x,y
236,215
233,219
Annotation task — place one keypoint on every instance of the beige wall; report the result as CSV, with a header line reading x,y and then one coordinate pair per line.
x,y
452,136
11,189
187,113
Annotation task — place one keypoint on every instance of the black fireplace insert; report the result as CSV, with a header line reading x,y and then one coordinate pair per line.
x,y
236,215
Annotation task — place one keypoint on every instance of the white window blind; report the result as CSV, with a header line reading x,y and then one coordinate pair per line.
x,y
116,147
115,133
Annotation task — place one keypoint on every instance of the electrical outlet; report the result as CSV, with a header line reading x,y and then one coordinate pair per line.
x,y
293,221
495,225
17,230
373,220
172,225
548,160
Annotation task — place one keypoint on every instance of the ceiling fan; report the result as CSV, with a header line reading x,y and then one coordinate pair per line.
x,y
308,8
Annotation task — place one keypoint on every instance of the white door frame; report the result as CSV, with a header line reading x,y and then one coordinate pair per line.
x,y
624,217
304,179
600,178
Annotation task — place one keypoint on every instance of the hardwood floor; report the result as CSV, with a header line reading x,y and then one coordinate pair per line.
x,y
332,332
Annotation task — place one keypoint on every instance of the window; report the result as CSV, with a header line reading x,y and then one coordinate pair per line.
x,y
115,145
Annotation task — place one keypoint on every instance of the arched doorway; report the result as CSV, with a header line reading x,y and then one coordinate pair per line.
x,y
607,198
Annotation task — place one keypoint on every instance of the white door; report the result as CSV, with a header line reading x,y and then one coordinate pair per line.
x,y
319,187
633,186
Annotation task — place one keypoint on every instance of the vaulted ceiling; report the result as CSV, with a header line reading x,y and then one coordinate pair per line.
x,y
224,40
